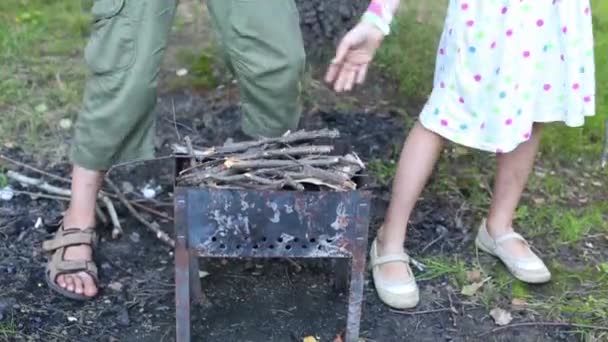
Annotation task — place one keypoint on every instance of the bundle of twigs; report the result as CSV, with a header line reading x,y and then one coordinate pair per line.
x,y
294,161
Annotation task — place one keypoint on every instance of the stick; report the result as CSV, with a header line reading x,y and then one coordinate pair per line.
x,y
38,183
41,195
413,313
116,228
50,175
153,227
102,217
243,146
550,324
605,151
252,164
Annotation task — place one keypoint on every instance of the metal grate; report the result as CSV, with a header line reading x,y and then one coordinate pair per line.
x,y
221,223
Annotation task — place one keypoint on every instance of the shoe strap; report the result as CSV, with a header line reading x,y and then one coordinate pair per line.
x,y
387,259
510,236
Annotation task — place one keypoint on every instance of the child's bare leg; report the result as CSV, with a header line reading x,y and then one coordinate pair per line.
x,y
418,157
81,214
512,174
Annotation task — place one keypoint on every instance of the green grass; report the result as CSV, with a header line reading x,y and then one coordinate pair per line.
x,y
42,73
8,330
436,267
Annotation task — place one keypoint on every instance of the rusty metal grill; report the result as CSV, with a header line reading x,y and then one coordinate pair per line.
x,y
221,223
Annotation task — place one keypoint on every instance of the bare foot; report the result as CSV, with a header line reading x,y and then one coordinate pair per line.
x,y
81,282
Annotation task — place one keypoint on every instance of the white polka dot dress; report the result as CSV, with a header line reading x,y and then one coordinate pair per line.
x,y
504,64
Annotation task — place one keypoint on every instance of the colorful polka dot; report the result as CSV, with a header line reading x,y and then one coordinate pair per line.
x,y
505,63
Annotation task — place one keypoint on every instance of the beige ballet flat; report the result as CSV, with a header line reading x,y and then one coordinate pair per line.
x,y
399,295
527,269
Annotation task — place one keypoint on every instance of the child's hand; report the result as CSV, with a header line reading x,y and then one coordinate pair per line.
x,y
355,52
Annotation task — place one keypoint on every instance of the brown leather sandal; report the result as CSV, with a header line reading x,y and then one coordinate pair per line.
x,y
57,264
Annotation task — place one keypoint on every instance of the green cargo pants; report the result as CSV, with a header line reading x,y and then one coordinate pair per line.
x,y
262,45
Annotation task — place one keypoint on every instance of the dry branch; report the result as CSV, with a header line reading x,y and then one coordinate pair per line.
x,y
116,228
290,161
161,235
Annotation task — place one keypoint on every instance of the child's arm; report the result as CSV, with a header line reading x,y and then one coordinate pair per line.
x,y
357,48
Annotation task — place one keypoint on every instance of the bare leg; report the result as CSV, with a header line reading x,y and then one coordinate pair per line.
x,y
512,174
418,157
81,214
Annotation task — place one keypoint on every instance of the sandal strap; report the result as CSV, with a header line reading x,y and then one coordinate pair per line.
x,y
387,259
73,266
70,237
510,236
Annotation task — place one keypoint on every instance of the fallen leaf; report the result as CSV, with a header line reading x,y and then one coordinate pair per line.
x,y
310,339
538,200
473,276
518,304
202,274
116,286
500,316
470,290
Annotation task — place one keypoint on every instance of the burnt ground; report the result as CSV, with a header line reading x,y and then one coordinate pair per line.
x,y
249,300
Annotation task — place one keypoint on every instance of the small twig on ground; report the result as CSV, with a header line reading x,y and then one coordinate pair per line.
x,y
420,266
102,217
605,151
551,324
432,242
41,195
50,175
161,235
175,120
116,228
414,313
39,183
453,311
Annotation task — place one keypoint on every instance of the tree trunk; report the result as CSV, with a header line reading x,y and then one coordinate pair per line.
x,y
324,22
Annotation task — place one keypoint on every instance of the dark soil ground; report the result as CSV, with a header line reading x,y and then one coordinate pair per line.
x,y
261,300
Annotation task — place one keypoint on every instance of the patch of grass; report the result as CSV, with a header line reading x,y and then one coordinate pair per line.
x,y
42,71
383,171
8,330
436,267
409,52
567,224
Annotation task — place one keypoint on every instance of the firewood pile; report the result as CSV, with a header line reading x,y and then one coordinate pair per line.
x,y
302,160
